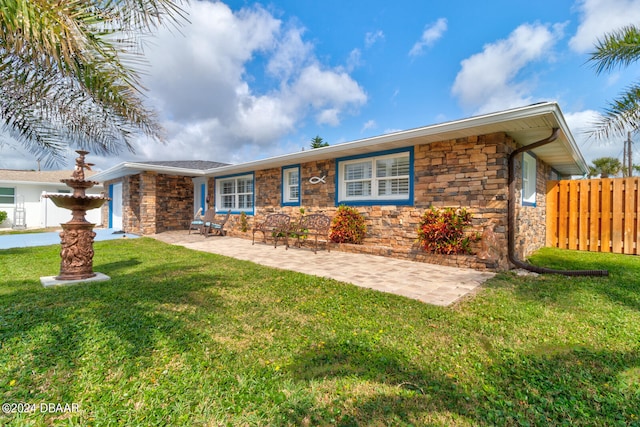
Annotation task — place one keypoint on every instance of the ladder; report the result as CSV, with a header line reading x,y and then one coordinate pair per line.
x,y
19,214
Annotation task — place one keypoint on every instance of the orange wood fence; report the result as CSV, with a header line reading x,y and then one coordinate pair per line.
x,y
598,215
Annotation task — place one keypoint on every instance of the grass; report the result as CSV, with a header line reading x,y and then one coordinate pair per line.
x,y
184,338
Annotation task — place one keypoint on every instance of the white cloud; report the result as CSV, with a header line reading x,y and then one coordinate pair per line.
x,y
372,38
488,81
318,88
328,117
598,17
291,53
369,124
214,91
195,75
354,60
231,86
430,35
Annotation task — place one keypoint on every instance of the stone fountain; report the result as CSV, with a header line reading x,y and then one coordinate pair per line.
x,y
77,235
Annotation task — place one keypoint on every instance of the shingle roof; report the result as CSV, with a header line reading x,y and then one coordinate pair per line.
x,y
188,164
38,176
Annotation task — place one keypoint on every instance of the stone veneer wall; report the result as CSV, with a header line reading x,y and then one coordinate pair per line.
x,y
174,202
530,232
131,198
153,203
470,172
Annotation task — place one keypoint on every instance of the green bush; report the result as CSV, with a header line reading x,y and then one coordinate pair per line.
x,y
442,231
244,225
3,216
347,226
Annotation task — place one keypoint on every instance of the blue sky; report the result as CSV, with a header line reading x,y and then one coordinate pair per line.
x,y
245,80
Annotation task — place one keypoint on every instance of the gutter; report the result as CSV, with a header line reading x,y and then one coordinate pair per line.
x,y
511,219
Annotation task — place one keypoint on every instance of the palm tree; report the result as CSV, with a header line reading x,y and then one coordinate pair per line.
x,y
68,73
317,142
605,166
619,49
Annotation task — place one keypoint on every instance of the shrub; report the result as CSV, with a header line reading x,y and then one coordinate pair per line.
x,y
347,226
244,225
3,216
442,231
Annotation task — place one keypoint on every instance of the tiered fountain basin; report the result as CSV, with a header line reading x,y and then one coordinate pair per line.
x,y
77,235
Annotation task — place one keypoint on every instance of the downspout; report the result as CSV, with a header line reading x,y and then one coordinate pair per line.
x,y
511,219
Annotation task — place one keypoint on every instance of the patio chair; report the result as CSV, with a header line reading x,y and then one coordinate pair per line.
x,y
312,225
209,216
197,222
214,227
277,225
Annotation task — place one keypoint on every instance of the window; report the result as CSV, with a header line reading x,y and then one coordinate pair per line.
x,y
385,178
235,193
528,180
7,196
291,186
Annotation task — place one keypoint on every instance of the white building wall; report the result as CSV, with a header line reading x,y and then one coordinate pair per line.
x,y
41,212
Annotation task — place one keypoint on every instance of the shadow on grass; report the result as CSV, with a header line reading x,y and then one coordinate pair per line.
x,y
114,325
115,266
576,387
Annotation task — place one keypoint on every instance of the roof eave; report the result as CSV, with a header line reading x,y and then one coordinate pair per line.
x,y
411,135
132,168
574,165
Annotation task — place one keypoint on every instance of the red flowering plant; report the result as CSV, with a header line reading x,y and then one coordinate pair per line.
x,y
347,226
442,231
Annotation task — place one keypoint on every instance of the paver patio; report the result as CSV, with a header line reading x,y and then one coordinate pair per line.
x,y
429,283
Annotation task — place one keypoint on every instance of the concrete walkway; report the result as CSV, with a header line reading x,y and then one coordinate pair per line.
x,y
429,283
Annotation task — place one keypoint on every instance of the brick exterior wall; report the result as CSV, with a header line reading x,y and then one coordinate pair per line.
x,y
470,172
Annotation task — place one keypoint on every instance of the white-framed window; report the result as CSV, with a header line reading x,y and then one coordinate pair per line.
x,y
291,186
528,180
235,193
7,196
379,178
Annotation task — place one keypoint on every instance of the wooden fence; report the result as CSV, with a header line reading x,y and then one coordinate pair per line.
x,y
599,215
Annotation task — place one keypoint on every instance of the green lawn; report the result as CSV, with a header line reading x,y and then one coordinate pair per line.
x,y
179,337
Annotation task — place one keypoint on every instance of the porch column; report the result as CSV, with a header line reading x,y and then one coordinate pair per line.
x,y
148,195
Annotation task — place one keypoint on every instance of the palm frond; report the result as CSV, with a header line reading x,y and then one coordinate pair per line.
x,y
95,111
622,115
617,49
69,72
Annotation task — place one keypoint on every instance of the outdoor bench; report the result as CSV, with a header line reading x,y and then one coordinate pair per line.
x,y
312,225
275,225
